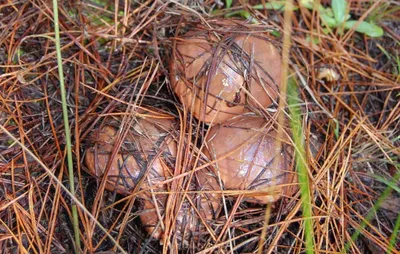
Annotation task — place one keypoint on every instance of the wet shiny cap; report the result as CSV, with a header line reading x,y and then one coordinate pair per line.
x,y
218,78
247,157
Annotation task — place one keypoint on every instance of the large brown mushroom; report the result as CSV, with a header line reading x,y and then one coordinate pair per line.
x,y
146,155
247,157
222,73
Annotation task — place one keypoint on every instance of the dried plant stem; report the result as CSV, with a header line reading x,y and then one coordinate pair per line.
x,y
74,210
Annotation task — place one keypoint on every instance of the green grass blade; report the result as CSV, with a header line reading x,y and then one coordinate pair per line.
x,y
328,20
395,232
339,10
311,5
242,13
298,138
393,237
228,4
74,210
376,206
277,5
391,184
364,27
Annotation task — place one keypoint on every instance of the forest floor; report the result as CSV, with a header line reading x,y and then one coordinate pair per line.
x,y
115,57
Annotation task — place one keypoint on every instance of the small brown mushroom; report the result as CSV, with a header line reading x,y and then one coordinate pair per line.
x,y
187,220
147,154
218,78
149,144
247,158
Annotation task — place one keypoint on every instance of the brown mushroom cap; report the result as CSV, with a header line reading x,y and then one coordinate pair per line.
x,y
148,144
149,151
231,74
247,158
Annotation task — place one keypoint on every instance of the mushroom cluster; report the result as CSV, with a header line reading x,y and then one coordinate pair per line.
x,y
221,75
224,76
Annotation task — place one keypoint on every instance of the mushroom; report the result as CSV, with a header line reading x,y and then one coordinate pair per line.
x,y
247,157
147,155
188,222
218,78
149,144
